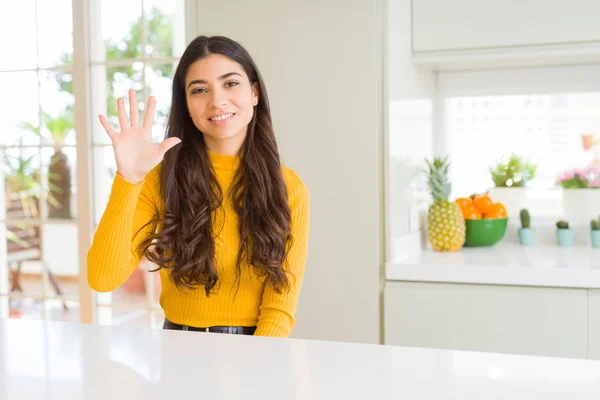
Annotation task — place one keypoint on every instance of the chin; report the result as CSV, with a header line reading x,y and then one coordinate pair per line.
x,y
223,134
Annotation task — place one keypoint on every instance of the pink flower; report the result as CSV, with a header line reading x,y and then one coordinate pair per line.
x,y
588,177
565,176
581,174
593,169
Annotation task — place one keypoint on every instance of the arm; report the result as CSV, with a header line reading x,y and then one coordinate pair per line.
x,y
276,316
113,255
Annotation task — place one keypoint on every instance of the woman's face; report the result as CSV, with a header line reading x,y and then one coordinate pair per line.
x,y
221,101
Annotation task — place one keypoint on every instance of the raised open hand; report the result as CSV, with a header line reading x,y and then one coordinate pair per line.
x,y
135,153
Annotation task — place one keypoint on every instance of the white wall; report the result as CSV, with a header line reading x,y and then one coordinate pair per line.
x,y
411,107
321,61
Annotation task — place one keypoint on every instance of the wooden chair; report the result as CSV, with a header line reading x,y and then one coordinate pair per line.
x,y
27,247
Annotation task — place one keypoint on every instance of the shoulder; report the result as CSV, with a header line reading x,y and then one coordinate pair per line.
x,y
297,190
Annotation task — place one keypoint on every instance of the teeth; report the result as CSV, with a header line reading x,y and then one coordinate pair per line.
x,y
222,117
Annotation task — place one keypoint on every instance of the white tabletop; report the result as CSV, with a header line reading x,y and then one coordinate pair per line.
x,y
503,264
55,360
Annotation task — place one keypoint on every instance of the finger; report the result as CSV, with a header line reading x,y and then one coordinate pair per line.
x,y
168,144
133,109
149,116
109,130
122,114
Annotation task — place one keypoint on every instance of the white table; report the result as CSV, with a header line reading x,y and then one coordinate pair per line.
x,y
53,360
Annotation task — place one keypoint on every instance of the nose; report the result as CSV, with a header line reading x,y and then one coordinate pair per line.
x,y
218,98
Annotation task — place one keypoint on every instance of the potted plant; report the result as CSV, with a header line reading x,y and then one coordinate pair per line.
x,y
59,171
564,234
581,191
21,184
510,179
22,193
595,232
526,232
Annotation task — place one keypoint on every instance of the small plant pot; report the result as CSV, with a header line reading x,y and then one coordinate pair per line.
x,y
527,236
595,235
565,237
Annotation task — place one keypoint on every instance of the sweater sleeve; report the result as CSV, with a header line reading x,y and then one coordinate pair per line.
x,y
277,310
113,255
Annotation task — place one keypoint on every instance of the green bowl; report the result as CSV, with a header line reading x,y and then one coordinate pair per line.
x,y
485,232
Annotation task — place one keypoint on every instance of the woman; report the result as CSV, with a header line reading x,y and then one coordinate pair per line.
x,y
211,206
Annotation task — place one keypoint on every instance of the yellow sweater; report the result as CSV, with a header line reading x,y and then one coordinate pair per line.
x,y
113,257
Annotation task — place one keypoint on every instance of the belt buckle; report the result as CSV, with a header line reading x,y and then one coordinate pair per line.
x,y
207,329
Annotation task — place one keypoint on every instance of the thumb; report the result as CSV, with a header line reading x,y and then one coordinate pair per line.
x,y
167,144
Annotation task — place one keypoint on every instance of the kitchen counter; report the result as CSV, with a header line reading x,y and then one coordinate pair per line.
x,y
503,264
54,360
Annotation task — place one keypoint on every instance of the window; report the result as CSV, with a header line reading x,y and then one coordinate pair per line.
x,y
38,226
547,114
550,129
132,44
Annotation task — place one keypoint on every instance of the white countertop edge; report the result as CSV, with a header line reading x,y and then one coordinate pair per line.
x,y
494,275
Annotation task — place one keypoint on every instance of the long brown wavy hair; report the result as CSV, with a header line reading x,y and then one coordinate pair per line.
x,y
184,244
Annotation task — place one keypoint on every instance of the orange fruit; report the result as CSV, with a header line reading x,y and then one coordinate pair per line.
x,y
483,203
492,215
471,212
464,202
499,208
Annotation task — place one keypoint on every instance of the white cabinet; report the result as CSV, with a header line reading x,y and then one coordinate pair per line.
x,y
470,24
471,28
492,318
594,324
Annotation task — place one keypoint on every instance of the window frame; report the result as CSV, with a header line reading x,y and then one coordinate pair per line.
x,y
86,15
507,82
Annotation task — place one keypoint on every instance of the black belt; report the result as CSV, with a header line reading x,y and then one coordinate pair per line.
x,y
232,330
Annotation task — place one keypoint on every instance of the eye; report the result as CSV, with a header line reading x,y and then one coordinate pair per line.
x,y
231,83
199,90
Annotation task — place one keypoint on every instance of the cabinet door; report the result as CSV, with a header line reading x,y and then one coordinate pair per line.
x,y
594,324
440,25
505,319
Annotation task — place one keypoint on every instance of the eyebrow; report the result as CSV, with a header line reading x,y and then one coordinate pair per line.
x,y
202,81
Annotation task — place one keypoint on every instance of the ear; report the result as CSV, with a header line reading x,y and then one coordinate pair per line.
x,y
255,94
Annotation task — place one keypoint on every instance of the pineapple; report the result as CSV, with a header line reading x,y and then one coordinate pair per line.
x,y
445,222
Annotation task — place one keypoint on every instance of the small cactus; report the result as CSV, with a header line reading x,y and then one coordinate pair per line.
x,y
562,224
595,224
525,219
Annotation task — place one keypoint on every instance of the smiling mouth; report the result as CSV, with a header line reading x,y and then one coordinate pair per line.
x,y
222,117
